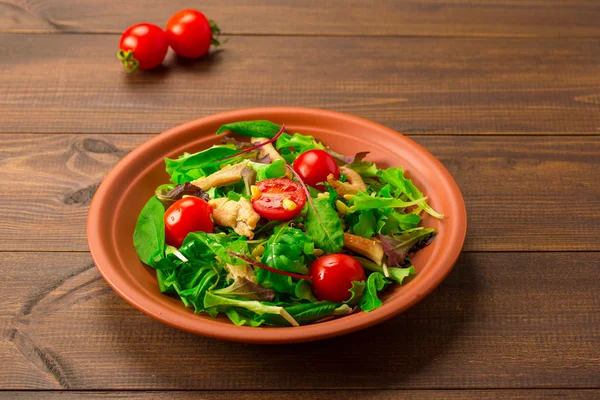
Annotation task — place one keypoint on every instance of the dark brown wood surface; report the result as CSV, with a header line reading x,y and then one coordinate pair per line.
x,y
505,93
73,83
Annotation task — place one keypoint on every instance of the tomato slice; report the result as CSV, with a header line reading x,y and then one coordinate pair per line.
x,y
278,199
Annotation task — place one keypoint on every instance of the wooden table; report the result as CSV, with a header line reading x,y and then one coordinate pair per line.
x,y
505,93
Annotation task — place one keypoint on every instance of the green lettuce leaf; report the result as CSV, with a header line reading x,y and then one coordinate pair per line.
x,y
324,226
307,313
276,169
149,233
366,225
369,301
243,287
258,128
288,249
290,147
356,291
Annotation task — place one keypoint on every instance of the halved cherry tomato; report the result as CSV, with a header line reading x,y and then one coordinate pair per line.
x,y
314,166
144,46
278,199
332,276
190,214
191,33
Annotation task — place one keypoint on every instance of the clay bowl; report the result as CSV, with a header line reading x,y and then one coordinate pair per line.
x,y
132,182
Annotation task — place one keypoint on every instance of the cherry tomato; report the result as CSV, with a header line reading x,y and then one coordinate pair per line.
x,y
190,214
278,199
144,46
332,276
314,166
190,33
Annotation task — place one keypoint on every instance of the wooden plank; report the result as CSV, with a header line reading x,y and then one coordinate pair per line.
x,y
514,18
522,193
524,394
500,320
73,83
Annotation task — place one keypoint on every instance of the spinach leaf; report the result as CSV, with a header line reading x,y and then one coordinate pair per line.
x,y
149,234
276,169
194,282
395,177
363,201
369,301
258,128
324,226
189,167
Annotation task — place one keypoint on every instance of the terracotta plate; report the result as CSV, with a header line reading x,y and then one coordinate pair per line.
x,y
131,183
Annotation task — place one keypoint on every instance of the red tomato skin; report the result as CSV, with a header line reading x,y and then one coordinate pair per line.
x,y
189,33
148,43
269,205
332,276
190,214
314,166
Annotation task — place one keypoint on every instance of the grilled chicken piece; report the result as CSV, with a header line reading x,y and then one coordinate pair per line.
x,y
238,215
269,149
370,248
227,176
353,185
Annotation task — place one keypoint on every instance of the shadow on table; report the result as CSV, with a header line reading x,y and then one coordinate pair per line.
x,y
396,353
171,63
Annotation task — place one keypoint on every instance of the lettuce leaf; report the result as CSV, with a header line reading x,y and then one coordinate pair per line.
x,y
396,178
362,201
369,301
290,147
397,247
276,169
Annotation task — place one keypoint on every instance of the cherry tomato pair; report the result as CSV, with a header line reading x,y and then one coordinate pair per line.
x,y
189,33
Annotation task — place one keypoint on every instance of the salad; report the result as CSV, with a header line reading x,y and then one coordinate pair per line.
x,y
281,229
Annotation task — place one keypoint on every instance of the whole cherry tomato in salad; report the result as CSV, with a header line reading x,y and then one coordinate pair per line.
x,y
333,274
142,46
278,199
190,214
190,33
314,166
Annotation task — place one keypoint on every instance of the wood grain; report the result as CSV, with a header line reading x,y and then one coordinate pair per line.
x,y
500,320
522,193
512,18
518,394
74,84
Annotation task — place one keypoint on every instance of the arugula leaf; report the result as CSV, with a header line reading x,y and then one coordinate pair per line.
x,y
396,274
257,128
366,225
325,227
149,233
307,313
363,201
369,301
397,247
395,177
189,167
276,169
356,291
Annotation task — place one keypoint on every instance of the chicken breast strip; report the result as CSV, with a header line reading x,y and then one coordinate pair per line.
x,y
353,184
238,215
227,176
